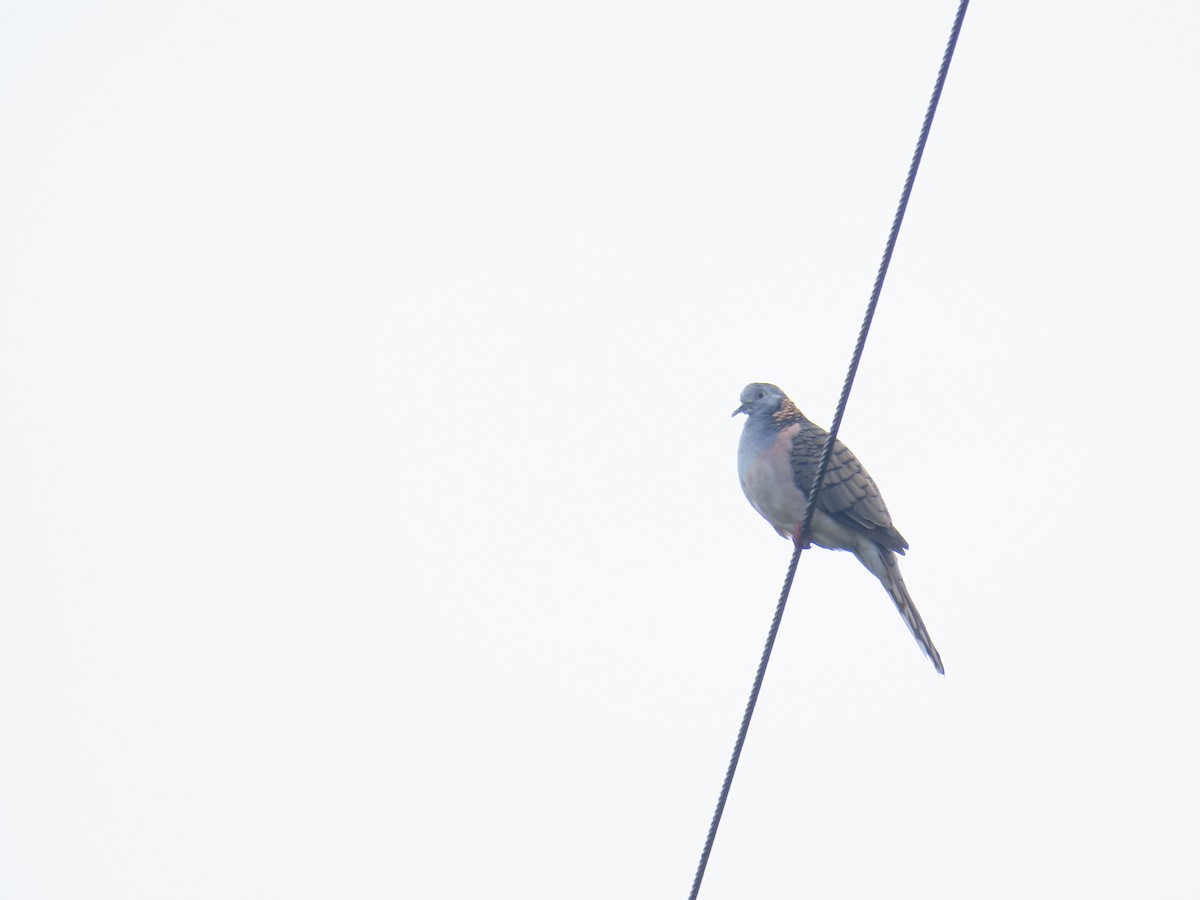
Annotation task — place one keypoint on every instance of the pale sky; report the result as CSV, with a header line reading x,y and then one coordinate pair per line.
x,y
370,517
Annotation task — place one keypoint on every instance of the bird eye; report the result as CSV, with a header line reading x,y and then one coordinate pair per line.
x,y
760,395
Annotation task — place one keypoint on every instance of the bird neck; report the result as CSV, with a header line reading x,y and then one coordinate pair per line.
x,y
765,424
787,414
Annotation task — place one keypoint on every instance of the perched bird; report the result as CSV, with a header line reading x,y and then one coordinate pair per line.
x,y
778,457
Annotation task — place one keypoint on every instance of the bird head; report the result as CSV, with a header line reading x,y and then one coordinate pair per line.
x,y
760,399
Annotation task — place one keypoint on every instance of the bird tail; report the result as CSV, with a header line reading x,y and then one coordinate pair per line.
x,y
894,582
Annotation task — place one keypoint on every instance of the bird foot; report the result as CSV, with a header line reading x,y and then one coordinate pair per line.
x,y
800,537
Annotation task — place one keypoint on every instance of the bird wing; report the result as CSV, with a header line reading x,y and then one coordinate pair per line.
x,y
848,492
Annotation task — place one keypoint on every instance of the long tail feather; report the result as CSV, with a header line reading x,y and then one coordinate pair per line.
x,y
894,582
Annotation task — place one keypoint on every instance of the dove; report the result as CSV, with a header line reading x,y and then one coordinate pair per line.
x,y
778,456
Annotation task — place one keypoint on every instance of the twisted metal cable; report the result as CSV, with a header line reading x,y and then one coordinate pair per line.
x,y
827,452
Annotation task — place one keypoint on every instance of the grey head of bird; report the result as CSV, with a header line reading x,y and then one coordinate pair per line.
x,y
760,398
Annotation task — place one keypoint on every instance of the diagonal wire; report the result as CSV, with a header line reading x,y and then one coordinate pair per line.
x,y
827,452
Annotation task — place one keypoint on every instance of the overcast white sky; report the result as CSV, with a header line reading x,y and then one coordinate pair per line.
x,y
369,519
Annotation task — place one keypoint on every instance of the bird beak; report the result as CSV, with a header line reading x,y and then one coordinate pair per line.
x,y
740,409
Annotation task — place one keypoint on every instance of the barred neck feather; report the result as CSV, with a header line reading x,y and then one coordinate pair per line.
x,y
787,413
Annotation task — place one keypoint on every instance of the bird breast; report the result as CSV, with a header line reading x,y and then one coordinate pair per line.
x,y
765,470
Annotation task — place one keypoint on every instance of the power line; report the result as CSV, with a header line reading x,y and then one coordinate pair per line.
x,y
827,452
